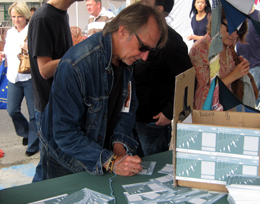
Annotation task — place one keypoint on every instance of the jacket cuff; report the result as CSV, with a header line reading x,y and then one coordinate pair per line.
x,y
168,113
104,158
129,143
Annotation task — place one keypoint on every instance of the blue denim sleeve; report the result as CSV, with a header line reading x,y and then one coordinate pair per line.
x,y
68,109
122,133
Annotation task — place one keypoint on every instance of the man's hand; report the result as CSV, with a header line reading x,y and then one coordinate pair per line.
x,y
129,166
162,120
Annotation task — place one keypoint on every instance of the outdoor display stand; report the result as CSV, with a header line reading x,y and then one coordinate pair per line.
x,y
213,144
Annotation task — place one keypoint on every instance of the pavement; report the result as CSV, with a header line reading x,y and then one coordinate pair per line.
x,y
15,167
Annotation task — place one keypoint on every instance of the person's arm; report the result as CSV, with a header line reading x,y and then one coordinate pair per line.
x,y
72,121
194,37
47,66
9,47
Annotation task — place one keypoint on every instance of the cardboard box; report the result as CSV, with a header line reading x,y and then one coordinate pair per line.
x,y
215,144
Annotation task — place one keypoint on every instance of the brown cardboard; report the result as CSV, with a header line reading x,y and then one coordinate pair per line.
x,y
221,118
203,186
216,118
226,118
185,80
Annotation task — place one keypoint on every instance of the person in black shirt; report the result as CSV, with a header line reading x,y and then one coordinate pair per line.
x,y
155,84
49,37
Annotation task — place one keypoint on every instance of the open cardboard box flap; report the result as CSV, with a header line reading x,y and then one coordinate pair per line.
x,y
183,106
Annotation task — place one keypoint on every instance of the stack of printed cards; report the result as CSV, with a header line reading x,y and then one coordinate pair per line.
x,y
88,196
243,189
167,169
161,191
148,167
83,196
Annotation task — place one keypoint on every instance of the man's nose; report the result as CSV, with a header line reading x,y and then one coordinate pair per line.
x,y
144,55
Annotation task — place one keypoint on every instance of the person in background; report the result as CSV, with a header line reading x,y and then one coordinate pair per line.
x,y
228,72
20,84
87,123
201,10
129,2
155,85
32,10
98,16
251,50
49,37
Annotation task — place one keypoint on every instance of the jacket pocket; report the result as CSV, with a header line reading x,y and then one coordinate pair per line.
x,y
93,111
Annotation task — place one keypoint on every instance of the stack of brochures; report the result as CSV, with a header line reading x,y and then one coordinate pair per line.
x,y
243,189
83,196
161,191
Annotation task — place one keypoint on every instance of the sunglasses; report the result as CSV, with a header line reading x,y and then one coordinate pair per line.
x,y
239,32
144,48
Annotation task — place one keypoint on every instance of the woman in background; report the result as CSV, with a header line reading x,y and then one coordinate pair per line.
x,y
228,71
20,84
201,10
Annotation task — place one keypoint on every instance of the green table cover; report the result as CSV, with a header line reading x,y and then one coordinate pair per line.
x,y
75,182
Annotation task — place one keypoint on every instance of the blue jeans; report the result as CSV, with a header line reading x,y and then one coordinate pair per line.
x,y
255,71
38,173
152,138
23,128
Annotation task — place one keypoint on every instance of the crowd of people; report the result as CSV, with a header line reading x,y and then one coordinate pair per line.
x,y
105,102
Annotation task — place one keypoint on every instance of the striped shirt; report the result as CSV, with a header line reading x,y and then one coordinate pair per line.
x,y
97,24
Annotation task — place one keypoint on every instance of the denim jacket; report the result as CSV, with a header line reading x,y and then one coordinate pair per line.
x,y
74,122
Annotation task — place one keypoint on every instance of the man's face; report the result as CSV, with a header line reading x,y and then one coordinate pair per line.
x,y
93,7
148,36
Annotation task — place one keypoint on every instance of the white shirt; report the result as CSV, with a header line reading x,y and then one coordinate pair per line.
x,y
12,48
97,24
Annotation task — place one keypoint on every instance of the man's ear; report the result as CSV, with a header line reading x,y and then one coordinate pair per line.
x,y
122,32
99,5
160,8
